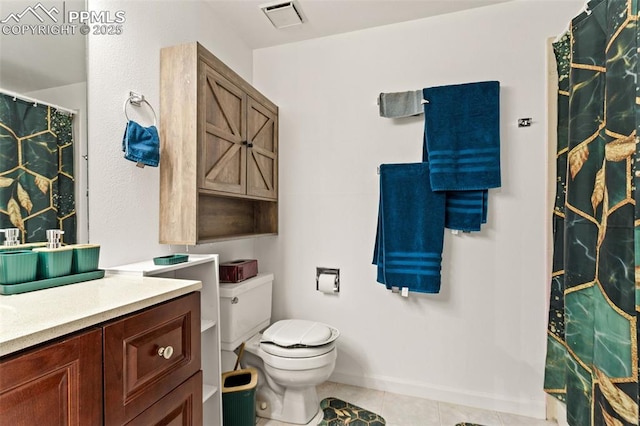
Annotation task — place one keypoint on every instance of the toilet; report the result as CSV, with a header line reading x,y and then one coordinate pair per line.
x,y
292,356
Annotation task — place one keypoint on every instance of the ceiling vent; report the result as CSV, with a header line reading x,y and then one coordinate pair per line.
x,y
283,14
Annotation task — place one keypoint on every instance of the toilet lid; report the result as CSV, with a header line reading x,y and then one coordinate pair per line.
x,y
299,334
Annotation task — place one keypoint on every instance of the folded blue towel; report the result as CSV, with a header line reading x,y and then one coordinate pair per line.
x,y
410,234
141,144
462,124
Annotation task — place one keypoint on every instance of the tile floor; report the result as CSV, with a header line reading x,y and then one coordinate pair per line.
x,y
401,410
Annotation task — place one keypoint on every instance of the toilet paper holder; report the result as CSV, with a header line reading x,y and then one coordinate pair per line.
x,y
329,271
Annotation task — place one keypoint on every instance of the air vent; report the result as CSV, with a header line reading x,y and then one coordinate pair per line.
x,y
283,14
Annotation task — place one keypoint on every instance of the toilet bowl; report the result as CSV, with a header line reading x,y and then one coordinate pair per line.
x,y
292,356
288,377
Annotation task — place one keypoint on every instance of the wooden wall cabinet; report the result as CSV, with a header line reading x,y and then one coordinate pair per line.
x,y
218,151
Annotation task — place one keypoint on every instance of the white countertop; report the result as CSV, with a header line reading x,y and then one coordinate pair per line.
x,y
35,317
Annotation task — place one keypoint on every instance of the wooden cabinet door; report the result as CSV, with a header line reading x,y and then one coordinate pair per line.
x,y
262,161
56,384
137,373
223,150
182,407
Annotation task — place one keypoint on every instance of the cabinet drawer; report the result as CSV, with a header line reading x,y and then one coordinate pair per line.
x,y
183,406
148,354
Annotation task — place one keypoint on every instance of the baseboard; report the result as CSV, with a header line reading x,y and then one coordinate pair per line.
x,y
522,407
557,411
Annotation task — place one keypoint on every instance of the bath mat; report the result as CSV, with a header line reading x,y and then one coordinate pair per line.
x,y
341,413
468,424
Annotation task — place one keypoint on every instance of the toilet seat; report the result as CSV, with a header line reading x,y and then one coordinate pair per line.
x,y
287,363
303,352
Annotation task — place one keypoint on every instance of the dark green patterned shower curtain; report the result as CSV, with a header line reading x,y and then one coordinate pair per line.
x,y
37,189
592,343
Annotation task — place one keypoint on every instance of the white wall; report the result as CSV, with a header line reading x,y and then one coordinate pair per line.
x,y
124,199
481,341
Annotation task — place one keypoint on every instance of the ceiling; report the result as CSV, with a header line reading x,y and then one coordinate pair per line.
x,y
34,62
328,17
29,63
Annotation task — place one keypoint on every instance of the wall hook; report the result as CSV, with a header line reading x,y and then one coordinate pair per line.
x,y
136,98
524,122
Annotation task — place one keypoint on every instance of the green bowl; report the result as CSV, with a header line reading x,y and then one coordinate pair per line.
x,y
85,258
18,266
53,262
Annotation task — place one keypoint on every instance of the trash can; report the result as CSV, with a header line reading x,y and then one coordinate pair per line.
x,y
239,397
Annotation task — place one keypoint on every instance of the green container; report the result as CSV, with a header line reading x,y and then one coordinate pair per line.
x,y
18,266
85,258
239,397
53,262
172,259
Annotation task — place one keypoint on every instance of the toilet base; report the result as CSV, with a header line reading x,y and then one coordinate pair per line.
x,y
297,405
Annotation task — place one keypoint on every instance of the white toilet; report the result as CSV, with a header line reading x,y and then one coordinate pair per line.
x,y
291,356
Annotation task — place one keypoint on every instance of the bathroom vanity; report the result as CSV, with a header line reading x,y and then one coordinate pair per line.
x,y
203,268
123,349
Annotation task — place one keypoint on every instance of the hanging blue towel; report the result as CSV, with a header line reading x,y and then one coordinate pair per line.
x,y
410,234
141,144
464,210
462,124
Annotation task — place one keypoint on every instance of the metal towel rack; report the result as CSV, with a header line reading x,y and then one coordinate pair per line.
x,y
137,99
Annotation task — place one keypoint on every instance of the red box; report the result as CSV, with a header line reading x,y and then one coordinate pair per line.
x,y
238,270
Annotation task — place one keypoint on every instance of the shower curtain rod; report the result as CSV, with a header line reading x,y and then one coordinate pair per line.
x,y
35,101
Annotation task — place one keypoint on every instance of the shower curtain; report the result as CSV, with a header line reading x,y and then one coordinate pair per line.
x,y
37,187
592,339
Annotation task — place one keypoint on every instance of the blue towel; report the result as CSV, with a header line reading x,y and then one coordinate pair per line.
x,y
462,124
410,234
464,210
141,144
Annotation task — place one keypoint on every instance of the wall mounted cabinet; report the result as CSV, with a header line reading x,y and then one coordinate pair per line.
x,y
218,151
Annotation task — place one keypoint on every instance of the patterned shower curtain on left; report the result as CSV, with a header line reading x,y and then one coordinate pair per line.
x,y
592,343
37,185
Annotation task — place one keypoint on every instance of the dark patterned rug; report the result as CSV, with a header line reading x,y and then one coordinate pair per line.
x,y
341,413
468,424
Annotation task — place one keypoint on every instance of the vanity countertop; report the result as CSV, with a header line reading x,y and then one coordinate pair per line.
x,y
35,317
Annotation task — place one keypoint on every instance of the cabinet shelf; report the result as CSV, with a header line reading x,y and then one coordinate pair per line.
x,y
206,324
208,391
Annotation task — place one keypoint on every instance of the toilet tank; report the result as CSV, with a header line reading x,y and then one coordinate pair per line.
x,y
245,309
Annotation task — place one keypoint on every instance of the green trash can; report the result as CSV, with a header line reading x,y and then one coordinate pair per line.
x,y
239,397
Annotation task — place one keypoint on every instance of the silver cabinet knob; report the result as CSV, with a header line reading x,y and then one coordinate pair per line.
x,y
166,353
